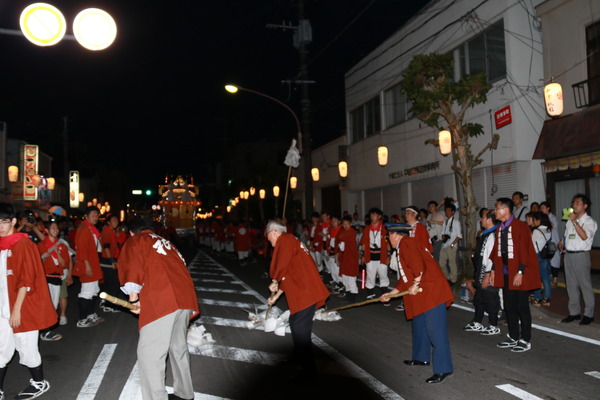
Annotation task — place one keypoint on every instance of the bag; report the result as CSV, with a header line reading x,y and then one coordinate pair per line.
x,y
549,248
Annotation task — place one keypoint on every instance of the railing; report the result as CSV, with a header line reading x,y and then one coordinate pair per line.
x,y
587,93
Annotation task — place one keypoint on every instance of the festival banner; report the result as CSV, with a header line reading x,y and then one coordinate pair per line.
x,y
30,170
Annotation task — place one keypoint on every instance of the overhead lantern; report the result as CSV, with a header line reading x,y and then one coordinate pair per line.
x,y
246,195
51,183
445,142
252,191
262,193
81,197
315,174
293,182
241,194
13,173
554,99
382,155
94,29
276,191
343,169
43,24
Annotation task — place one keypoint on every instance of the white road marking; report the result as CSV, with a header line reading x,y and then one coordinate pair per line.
x,y
595,374
92,383
209,273
213,281
360,373
233,323
237,354
545,329
217,290
132,390
235,304
520,393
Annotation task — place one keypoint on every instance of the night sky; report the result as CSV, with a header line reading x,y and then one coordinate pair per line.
x,y
154,103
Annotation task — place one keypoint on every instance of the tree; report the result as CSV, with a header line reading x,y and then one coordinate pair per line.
x,y
429,84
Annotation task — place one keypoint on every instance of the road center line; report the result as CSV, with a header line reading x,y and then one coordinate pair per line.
x,y
515,391
92,383
360,373
544,328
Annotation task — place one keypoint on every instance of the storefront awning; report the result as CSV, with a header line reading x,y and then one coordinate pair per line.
x,y
573,134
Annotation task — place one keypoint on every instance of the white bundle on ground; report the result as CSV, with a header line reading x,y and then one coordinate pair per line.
x,y
323,315
197,336
277,322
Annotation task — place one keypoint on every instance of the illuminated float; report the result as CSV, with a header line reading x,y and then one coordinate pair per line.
x,y
179,203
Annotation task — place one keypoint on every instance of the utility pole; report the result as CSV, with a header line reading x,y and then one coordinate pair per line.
x,y
304,31
66,166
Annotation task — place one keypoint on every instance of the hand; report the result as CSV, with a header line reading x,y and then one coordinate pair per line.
x,y
271,300
573,217
135,297
385,297
139,304
274,287
413,290
88,270
492,275
69,280
518,280
15,319
560,246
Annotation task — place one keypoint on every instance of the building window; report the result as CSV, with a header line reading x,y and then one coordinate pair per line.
x,y
396,107
592,36
484,53
365,120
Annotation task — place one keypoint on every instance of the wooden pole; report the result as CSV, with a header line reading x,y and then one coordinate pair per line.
x,y
117,301
362,303
287,185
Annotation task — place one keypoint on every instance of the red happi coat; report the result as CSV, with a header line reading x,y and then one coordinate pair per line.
x,y
523,254
51,264
154,263
414,260
349,257
365,240
242,238
24,269
86,247
419,232
294,269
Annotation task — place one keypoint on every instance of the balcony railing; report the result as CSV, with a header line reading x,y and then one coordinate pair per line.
x,y
587,93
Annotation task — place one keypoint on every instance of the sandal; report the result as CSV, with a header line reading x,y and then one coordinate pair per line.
x,y
546,302
536,302
554,282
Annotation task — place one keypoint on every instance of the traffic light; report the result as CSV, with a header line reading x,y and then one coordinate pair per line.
x,y
148,192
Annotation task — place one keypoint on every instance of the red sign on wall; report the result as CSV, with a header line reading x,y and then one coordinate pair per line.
x,y
503,117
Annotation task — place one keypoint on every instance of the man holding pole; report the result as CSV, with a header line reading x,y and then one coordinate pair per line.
x,y
427,308
155,277
294,273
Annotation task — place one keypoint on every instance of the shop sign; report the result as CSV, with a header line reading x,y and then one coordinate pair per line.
x,y
503,117
415,170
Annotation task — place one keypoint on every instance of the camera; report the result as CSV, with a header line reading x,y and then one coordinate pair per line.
x,y
445,238
29,217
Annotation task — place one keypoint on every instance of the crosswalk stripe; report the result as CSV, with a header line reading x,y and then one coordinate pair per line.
x,y
232,323
132,390
235,304
209,273
520,393
92,383
237,354
214,281
217,290
595,374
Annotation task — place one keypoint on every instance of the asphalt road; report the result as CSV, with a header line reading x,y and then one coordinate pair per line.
x,y
358,357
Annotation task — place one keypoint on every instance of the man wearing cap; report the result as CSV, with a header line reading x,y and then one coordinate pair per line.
x,y
293,272
427,308
375,253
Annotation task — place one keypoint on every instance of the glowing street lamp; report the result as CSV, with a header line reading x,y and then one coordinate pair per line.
x,y
262,193
94,29
43,24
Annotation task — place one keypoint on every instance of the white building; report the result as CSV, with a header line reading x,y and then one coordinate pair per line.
x,y
501,38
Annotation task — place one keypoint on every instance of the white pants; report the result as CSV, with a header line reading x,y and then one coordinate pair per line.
x,y
89,290
229,247
375,268
242,255
316,255
26,343
54,294
333,268
350,283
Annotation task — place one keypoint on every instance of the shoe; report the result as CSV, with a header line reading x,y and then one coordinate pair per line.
x,y
413,363
507,344
86,323
571,318
94,317
546,302
438,378
537,302
521,346
371,296
62,321
399,307
474,327
108,309
490,330
35,389
1,395
386,304
50,336
586,320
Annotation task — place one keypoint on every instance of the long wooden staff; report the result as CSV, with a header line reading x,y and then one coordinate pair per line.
x,y
362,303
117,301
274,296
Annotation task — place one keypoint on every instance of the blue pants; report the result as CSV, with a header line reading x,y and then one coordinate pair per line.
x,y
430,329
546,276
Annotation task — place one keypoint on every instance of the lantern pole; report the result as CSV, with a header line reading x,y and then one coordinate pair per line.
x,y
287,185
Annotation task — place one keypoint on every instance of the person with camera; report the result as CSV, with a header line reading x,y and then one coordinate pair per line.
x,y
451,235
540,235
28,225
576,244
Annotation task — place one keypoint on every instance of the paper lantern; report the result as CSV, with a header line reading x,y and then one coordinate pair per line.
x,y
51,183
262,193
252,191
554,99
445,142
343,169
382,155
81,197
241,194
246,195
13,173
315,174
276,191
293,182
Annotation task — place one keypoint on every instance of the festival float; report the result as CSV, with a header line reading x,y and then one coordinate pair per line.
x,y
179,203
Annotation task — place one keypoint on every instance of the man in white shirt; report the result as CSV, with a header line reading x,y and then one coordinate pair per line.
x,y
520,210
576,244
451,235
435,222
